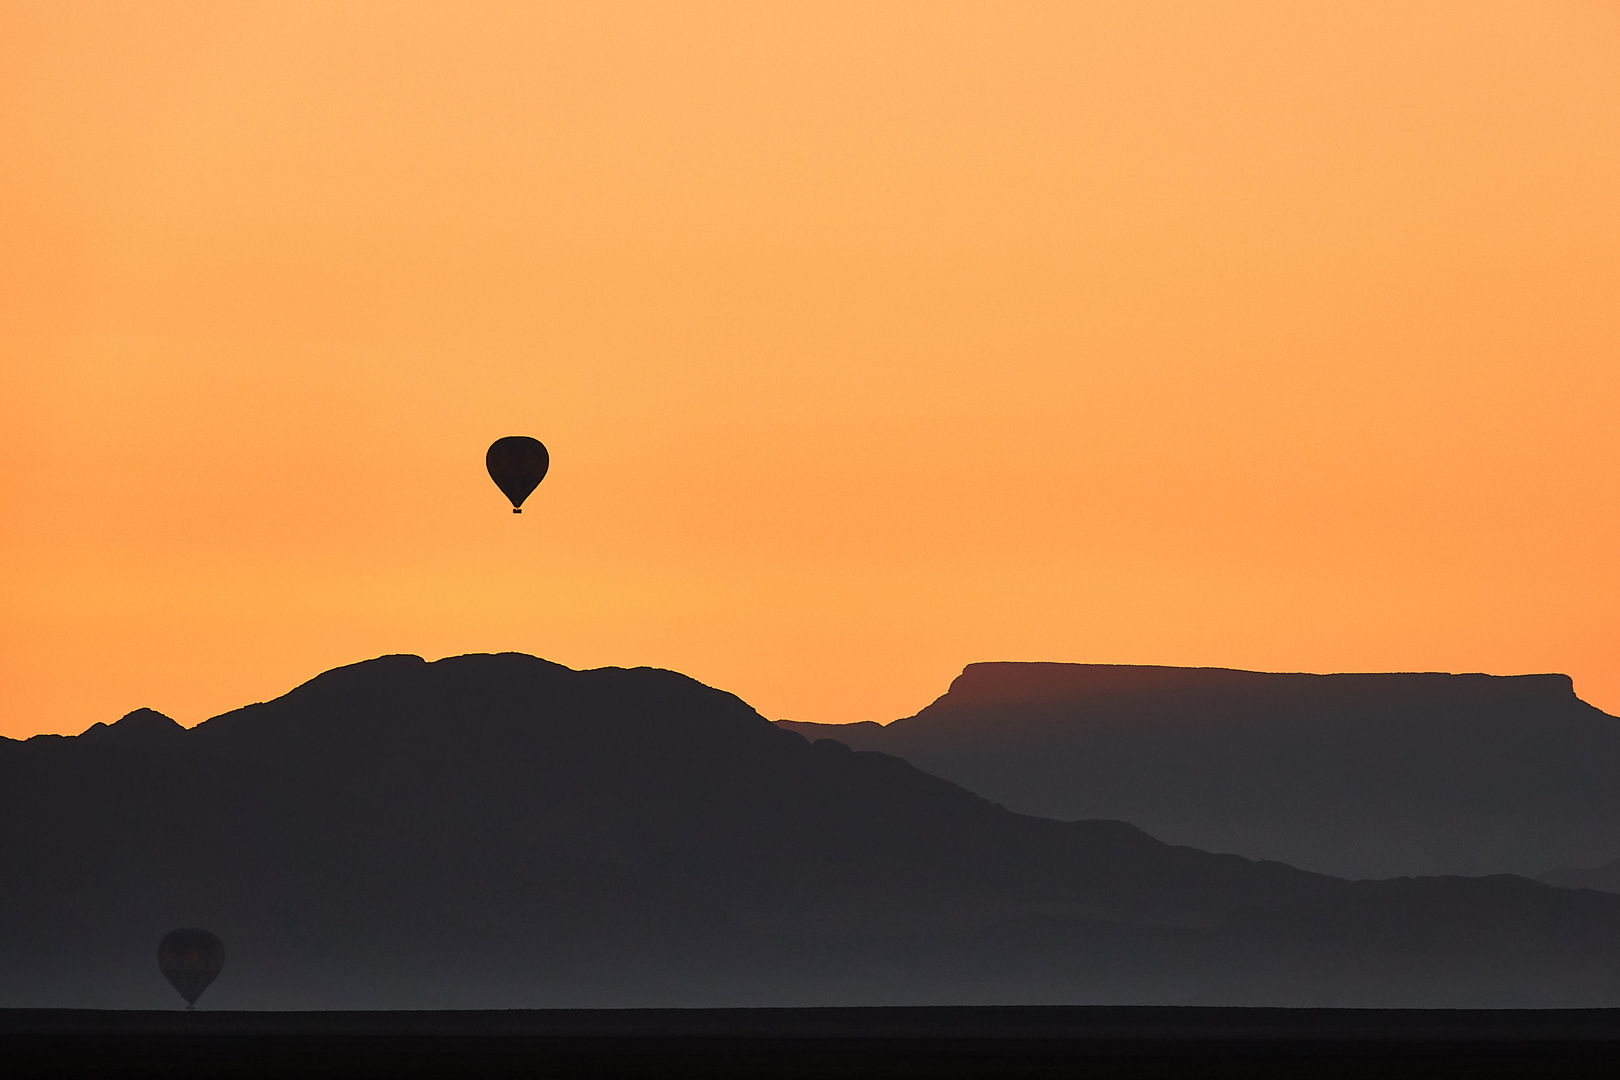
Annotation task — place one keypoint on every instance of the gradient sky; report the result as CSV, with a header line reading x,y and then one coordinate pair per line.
x,y
869,340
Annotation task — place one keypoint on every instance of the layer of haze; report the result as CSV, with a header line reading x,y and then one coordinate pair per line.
x,y
868,339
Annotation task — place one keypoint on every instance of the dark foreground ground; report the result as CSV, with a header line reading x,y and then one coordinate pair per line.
x,y
1129,1042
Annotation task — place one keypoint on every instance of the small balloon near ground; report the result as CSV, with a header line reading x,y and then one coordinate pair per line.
x,y
190,959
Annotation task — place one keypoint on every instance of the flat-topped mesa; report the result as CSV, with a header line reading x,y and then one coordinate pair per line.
x,y
1360,775
1037,684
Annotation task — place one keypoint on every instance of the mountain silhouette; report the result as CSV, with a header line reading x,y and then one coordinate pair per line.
x,y
1357,775
501,831
1605,877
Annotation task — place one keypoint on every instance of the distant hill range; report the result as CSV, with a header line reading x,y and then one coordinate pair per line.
x,y
1363,775
500,831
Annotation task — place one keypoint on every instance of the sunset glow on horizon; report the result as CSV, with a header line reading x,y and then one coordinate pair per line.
x,y
868,341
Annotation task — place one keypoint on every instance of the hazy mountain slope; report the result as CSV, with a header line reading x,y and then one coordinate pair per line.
x,y
1605,878
501,831
1373,775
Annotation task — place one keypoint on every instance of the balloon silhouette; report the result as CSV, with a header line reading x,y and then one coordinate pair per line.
x,y
190,959
517,464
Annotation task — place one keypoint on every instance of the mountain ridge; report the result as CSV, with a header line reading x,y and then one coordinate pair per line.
x,y
496,830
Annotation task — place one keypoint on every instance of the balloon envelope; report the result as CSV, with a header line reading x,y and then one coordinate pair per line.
x,y
517,464
190,959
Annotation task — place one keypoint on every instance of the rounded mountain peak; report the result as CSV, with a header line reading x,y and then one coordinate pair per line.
x,y
139,724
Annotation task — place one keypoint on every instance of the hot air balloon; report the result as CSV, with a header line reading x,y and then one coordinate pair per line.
x,y
190,959
517,464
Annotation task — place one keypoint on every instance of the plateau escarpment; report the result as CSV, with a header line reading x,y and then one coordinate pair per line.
x,y
1357,775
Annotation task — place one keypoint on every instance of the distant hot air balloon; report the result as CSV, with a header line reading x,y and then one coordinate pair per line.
x,y
517,464
190,959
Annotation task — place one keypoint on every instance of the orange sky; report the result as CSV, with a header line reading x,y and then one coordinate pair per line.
x,y
869,340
